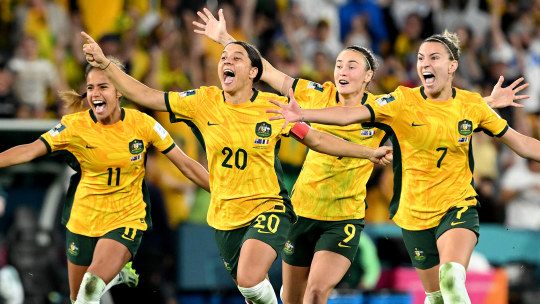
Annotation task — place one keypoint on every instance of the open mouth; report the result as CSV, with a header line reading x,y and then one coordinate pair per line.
x,y
228,76
343,82
99,106
429,78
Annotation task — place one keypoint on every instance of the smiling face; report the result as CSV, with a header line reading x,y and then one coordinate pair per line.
x,y
435,68
350,75
235,70
102,96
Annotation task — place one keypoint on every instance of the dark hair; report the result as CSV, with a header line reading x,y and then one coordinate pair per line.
x,y
254,56
450,40
372,63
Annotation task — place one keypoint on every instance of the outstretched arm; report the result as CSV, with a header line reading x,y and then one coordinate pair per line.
x,y
216,29
125,84
22,154
190,168
329,144
524,146
340,116
504,97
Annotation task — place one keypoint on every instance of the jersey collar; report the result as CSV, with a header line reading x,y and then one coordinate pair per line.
x,y
252,99
364,98
425,96
94,119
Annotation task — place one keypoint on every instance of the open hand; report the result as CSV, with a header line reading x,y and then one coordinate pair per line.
x,y
213,28
93,53
291,112
504,97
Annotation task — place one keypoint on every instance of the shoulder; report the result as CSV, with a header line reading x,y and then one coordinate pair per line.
x,y
265,96
469,97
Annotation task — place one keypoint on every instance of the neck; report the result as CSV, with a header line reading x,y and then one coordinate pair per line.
x,y
238,97
352,99
442,95
111,119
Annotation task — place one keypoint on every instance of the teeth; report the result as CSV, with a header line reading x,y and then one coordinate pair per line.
x,y
343,82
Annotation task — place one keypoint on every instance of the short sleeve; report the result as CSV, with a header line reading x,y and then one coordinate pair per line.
x,y
183,105
384,108
159,137
57,138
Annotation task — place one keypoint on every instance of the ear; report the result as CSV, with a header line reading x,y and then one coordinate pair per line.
x,y
118,94
453,67
369,76
253,73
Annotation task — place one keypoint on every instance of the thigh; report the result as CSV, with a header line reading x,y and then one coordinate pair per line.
x,y
301,240
229,243
80,248
422,247
327,269
113,251
457,235
295,280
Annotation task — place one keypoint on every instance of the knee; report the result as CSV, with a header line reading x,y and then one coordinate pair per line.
x,y
317,293
92,286
451,276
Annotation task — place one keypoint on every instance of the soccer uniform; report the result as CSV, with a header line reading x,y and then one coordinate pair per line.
x,y
245,174
433,164
329,194
108,190
241,145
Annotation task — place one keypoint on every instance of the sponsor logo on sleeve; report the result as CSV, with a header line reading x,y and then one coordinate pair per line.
x,y
187,93
316,86
386,99
160,130
59,128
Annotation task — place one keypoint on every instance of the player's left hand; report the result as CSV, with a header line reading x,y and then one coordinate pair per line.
x,y
504,97
93,53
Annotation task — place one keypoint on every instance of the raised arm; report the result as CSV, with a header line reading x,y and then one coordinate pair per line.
x,y
340,116
22,154
524,146
190,168
216,29
329,144
504,97
131,88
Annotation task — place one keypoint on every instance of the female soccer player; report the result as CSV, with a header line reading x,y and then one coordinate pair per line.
x,y
434,201
329,195
107,207
250,209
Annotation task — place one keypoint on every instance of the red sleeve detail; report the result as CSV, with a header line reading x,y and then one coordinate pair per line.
x,y
299,130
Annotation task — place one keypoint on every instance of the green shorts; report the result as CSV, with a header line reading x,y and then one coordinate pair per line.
x,y
422,244
308,236
270,228
80,248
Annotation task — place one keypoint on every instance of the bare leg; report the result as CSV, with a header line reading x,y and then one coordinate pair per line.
x,y
327,269
295,280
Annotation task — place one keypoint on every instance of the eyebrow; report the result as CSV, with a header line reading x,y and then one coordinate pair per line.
x,y
434,53
235,52
339,60
98,84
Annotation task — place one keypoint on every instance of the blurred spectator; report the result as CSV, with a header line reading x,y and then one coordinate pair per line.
x,y
469,75
408,41
319,42
521,195
35,78
11,289
9,104
449,14
375,18
45,20
315,10
379,194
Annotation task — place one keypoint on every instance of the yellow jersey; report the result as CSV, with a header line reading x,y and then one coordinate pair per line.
x,y
108,190
241,145
331,188
433,161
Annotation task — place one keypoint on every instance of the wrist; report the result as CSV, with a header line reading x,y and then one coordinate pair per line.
x,y
108,64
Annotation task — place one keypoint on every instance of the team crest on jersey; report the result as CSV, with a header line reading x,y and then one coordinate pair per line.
x,y
386,99
73,249
136,146
263,129
59,128
419,255
316,86
187,93
465,127
227,265
288,248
